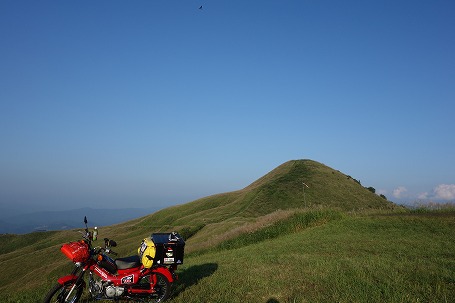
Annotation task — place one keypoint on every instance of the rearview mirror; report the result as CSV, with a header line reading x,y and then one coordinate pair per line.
x,y
95,233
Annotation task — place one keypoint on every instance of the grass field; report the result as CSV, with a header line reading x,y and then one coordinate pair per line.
x,y
266,244
384,258
323,256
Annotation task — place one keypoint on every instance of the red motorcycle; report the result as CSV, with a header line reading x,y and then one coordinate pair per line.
x,y
146,277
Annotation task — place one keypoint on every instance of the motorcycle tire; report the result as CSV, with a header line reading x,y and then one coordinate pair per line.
x,y
59,292
163,288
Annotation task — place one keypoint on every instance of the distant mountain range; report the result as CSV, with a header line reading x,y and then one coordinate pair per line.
x,y
67,219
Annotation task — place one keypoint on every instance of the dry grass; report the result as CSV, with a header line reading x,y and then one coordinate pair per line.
x,y
434,205
216,233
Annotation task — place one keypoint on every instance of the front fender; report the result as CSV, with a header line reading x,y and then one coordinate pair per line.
x,y
68,279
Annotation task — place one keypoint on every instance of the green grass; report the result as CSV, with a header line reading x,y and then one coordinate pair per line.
x,y
12,242
298,221
353,259
264,244
323,256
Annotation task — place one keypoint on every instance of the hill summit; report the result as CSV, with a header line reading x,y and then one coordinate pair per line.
x,y
305,183
296,184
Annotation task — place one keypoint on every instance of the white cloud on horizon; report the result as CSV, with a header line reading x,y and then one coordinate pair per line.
x,y
399,192
423,196
444,192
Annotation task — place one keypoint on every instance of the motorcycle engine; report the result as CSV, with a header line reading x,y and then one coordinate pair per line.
x,y
100,289
112,291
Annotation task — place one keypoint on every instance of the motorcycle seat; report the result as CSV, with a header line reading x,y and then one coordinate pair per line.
x,y
128,262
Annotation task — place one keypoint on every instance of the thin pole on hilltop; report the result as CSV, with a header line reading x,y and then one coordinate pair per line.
x,y
303,191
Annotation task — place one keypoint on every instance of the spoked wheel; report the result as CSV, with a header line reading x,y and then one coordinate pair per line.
x,y
162,287
59,293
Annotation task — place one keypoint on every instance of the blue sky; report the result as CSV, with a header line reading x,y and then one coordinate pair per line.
x,y
145,103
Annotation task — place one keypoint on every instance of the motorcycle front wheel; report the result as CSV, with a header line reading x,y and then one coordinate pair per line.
x,y
59,293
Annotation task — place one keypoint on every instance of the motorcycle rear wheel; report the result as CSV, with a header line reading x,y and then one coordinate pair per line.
x,y
59,292
162,287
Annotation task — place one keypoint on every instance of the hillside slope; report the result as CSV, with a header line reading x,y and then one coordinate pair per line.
x,y
204,222
316,256
281,189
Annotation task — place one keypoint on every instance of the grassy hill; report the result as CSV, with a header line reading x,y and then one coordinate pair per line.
x,y
266,243
279,190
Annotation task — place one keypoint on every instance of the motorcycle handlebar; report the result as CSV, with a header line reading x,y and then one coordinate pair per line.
x,y
88,236
112,252
100,250
109,243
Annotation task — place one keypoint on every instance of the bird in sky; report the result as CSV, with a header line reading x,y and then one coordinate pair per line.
x,y
200,7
